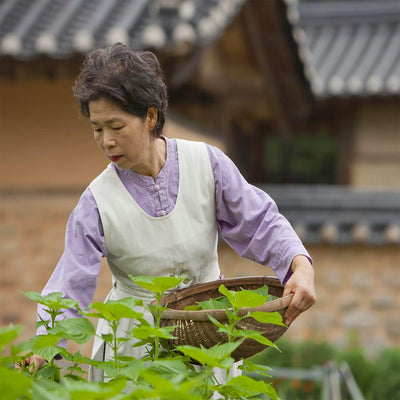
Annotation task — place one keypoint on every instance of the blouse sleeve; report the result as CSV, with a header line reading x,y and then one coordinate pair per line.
x,y
77,270
250,221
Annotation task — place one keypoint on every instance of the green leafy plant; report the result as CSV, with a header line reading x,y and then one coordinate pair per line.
x,y
241,299
158,286
159,375
113,311
223,302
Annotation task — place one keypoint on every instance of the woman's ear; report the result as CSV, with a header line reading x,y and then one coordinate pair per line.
x,y
151,118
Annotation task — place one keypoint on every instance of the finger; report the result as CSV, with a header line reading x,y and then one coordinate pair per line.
x,y
36,363
19,365
291,314
37,366
301,301
296,307
287,291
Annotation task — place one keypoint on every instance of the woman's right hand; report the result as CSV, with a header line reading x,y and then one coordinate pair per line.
x,y
35,361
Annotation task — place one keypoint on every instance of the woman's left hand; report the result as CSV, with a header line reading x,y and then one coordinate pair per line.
x,y
301,285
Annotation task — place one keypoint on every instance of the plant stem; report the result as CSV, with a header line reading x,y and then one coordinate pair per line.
x,y
208,376
53,314
158,318
114,326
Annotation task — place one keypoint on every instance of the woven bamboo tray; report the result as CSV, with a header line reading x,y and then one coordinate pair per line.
x,y
194,327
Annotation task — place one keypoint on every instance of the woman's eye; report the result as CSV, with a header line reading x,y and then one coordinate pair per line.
x,y
116,128
98,130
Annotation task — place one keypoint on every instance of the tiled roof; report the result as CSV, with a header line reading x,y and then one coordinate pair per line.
x,y
60,28
350,48
339,215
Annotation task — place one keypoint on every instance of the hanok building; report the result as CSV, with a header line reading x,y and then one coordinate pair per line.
x,y
304,98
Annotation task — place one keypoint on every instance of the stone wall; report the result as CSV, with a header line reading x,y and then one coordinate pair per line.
x,y
358,288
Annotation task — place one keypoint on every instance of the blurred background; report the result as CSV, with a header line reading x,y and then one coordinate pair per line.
x,y
304,96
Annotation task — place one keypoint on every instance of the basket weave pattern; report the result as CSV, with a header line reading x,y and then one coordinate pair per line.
x,y
194,327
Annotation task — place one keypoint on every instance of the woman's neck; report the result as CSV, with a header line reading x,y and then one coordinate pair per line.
x,y
156,159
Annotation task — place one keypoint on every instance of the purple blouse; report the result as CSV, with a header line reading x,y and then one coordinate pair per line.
x,y
248,218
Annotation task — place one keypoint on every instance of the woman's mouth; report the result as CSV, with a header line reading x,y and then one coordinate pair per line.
x,y
115,158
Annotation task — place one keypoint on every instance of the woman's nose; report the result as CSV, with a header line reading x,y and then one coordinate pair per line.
x,y
108,139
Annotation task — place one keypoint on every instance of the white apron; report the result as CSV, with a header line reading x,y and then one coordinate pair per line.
x,y
182,242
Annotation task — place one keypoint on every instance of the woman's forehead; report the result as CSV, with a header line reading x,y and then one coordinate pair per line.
x,y
105,110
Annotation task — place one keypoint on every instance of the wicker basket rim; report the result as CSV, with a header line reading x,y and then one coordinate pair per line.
x,y
204,287
220,314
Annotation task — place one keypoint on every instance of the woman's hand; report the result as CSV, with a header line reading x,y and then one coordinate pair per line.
x,y
301,285
35,361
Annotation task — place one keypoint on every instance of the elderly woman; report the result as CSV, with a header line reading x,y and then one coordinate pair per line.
x,y
156,208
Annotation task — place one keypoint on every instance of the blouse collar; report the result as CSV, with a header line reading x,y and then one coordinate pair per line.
x,y
144,180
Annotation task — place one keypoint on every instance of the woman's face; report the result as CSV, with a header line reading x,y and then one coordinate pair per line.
x,y
124,138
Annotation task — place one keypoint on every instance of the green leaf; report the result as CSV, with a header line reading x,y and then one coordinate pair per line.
x,y
132,370
23,347
75,357
228,293
172,370
198,354
157,284
215,304
252,387
42,341
221,351
222,327
15,352
13,384
193,308
107,337
54,301
114,310
247,298
49,372
47,389
42,393
242,298
35,296
42,322
8,334
213,356
165,389
144,332
249,366
45,346
107,366
75,372
244,333
267,317
263,291
79,330
83,390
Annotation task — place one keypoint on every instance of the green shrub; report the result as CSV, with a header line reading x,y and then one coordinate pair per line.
x,y
377,378
360,366
386,380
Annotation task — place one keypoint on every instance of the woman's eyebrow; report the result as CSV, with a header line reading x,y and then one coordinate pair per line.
x,y
108,121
